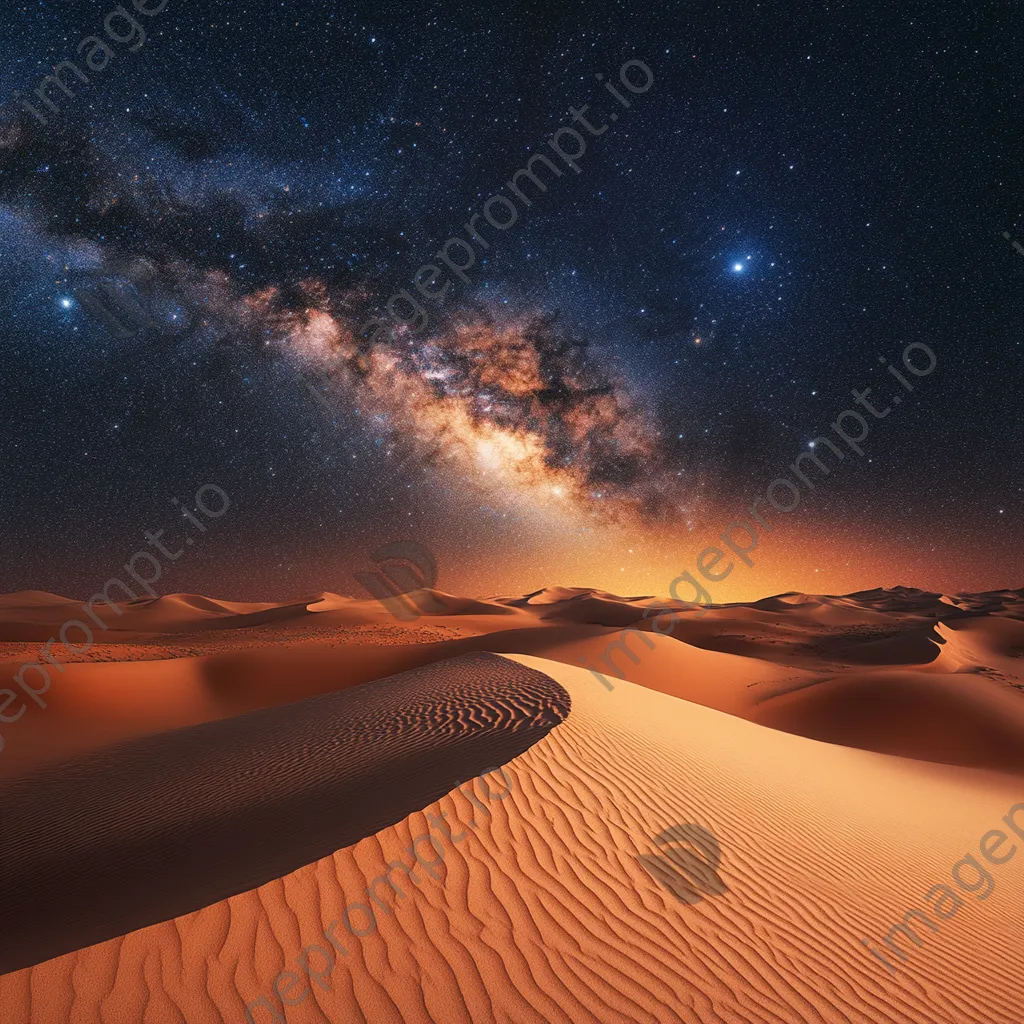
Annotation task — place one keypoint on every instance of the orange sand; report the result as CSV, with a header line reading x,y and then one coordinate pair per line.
x,y
544,913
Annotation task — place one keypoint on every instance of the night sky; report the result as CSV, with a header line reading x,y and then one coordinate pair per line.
x,y
623,369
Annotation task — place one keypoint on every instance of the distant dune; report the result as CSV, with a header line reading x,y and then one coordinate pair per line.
x,y
242,772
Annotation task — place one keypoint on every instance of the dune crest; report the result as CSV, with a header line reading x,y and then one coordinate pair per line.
x,y
222,807
792,661
835,756
546,912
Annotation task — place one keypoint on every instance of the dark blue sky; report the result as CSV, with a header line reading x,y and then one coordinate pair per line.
x,y
803,187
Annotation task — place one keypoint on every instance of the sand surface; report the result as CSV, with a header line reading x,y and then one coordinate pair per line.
x,y
846,753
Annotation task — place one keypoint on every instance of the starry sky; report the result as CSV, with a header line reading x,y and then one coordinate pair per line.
x,y
767,201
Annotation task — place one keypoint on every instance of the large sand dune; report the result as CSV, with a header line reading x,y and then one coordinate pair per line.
x,y
542,911
153,828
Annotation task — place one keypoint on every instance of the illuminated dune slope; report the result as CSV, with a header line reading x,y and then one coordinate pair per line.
x,y
543,912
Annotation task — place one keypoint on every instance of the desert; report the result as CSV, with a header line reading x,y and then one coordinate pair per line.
x,y
214,784
510,513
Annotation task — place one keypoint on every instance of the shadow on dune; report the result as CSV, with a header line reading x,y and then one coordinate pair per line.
x,y
960,720
145,831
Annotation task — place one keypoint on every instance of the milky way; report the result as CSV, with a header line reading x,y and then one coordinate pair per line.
x,y
516,403
607,392
520,403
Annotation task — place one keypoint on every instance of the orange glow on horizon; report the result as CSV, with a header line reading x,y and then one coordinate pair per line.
x,y
796,556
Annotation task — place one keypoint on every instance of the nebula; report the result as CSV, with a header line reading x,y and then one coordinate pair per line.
x,y
516,403
511,404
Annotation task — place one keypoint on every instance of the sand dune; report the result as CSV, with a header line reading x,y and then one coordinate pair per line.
x,y
231,797
983,643
563,595
32,616
953,719
591,608
25,599
437,602
743,659
96,705
155,828
545,913
149,615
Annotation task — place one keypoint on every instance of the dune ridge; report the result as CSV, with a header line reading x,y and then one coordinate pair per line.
x,y
83,840
790,662
547,914
843,751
